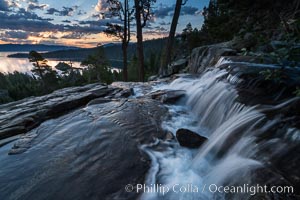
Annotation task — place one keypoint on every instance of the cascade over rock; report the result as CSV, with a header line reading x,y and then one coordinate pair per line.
x,y
207,56
97,135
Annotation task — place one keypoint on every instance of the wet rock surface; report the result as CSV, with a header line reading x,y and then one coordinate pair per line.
x,y
90,153
188,138
21,116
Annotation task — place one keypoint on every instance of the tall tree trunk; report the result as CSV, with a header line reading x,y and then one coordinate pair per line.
x,y
40,70
170,40
125,39
139,36
125,72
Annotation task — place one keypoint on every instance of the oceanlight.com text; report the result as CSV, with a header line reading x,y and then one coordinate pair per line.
x,y
211,188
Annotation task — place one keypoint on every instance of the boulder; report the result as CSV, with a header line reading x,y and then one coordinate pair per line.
x,y
177,65
187,138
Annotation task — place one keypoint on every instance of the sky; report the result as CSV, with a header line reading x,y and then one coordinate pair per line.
x,y
81,22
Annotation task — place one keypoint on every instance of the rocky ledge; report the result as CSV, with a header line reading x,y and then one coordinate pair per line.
x,y
88,137
21,116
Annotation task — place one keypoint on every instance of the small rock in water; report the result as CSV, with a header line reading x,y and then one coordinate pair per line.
x,y
187,138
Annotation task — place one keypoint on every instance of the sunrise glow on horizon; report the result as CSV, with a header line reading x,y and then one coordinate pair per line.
x,y
80,23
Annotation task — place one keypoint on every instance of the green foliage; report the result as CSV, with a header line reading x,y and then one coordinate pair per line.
x,y
273,75
297,92
98,68
288,54
191,38
219,23
133,74
16,86
40,64
266,19
152,64
114,30
64,67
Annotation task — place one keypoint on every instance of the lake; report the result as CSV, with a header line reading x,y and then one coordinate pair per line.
x,y
9,65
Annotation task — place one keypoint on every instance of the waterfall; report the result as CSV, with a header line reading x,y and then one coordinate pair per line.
x,y
232,153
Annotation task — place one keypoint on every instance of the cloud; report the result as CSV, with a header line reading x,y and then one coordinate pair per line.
x,y
102,6
33,6
15,34
4,5
156,33
33,1
160,29
163,23
66,11
101,22
97,16
51,36
16,22
164,11
81,12
74,36
189,10
66,21
51,11
31,22
22,13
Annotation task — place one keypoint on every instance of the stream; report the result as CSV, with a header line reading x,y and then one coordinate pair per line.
x,y
94,151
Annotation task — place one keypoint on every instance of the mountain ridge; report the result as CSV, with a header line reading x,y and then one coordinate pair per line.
x,y
35,47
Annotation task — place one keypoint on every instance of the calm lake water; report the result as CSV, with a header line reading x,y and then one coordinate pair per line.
x,y
9,65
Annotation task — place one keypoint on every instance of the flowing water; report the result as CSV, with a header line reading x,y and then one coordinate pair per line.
x,y
232,153
68,157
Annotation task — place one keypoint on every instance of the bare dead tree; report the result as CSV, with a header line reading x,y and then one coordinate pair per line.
x,y
122,32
